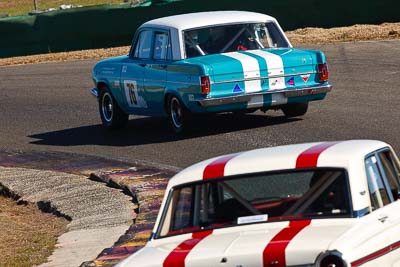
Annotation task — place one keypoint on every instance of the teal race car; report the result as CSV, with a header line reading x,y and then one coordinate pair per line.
x,y
208,62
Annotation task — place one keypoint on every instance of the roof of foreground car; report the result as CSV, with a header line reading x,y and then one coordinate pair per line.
x,y
201,19
340,154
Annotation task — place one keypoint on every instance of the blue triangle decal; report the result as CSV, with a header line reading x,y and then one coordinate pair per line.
x,y
237,89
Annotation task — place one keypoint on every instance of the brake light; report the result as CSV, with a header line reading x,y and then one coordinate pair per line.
x,y
323,72
205,84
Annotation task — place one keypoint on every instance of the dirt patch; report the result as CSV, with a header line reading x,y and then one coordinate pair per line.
x,y
386,31
28,236
66,56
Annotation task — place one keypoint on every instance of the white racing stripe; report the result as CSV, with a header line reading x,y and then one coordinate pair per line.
x,y
251,69
256,101
275,67
278,99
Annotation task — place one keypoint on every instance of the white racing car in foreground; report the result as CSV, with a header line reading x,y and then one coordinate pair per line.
x,y
317,204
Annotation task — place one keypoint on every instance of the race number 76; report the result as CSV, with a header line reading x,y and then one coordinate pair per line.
x,y
131,93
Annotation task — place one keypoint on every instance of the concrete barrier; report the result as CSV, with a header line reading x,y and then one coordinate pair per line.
x,y
114,25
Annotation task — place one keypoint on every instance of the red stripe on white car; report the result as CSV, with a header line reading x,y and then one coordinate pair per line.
x,y
274,254
217,167
177,257
309,158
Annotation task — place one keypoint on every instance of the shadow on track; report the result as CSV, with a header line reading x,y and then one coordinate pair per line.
x,y
141,131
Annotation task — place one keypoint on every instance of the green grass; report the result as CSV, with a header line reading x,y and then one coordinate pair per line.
x,y
22,7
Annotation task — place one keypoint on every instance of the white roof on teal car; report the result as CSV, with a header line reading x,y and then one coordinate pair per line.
x,y
201,19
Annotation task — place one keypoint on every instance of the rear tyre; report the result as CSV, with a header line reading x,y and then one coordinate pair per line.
x,y
111,114
177,114
295,109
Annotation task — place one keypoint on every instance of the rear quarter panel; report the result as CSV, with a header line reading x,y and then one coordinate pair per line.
x,y
183,80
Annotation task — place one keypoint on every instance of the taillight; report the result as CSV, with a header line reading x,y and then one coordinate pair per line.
x,y
323,73
205,84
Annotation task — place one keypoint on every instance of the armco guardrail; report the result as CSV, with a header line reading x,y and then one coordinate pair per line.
x,y
114,25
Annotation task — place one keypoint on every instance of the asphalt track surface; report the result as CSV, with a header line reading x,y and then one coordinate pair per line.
x,y
48,107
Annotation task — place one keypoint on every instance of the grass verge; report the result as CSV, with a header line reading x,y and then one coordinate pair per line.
x,y
28,236
22,7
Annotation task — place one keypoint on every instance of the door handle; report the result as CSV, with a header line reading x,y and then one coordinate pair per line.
x,y
383,219
142,64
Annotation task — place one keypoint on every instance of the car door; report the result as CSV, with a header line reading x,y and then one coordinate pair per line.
x,y
389,167
383,223
133,73
155,75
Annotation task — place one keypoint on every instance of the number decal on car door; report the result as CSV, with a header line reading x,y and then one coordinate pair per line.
x,y
132,94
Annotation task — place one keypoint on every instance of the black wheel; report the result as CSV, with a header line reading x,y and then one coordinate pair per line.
x,y
111,114
177,114
295,109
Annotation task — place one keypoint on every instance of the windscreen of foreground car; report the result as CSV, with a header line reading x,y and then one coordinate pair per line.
x,y
256,198
233,37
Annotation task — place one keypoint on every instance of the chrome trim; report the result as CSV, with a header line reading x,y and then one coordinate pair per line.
x,y
174,82
313,90
94,93
265,77
185,83
152,80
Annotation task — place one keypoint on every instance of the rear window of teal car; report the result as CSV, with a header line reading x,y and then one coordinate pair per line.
x,y
233,37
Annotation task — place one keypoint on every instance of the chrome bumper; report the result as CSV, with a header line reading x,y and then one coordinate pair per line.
x,y
321,89
94,93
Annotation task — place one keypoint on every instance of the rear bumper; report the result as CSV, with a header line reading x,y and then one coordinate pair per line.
x,y
305,91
